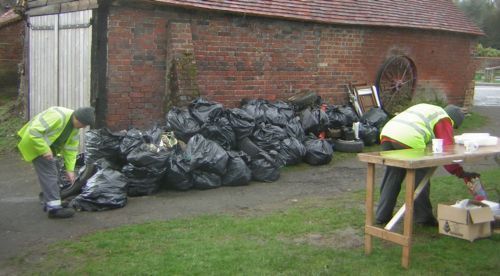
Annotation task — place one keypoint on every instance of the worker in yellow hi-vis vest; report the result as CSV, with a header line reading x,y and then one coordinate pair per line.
x,y
51,132
415,128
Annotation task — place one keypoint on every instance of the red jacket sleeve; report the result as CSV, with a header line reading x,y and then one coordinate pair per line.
x,y
444,130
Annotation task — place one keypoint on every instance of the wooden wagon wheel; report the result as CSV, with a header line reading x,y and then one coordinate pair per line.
x,y
395,83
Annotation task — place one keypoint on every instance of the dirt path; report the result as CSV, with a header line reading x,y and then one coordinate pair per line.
x,y
23,226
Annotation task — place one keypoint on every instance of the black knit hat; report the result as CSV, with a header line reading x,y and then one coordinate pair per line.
x,y
455,114
85,115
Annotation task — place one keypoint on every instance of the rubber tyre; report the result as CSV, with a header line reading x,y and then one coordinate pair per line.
x,y
354,146
303,99
80,180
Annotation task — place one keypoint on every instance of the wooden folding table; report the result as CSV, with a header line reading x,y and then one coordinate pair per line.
x,y
411,160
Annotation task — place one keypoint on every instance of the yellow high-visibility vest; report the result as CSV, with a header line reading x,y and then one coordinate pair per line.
x,y
38,135
414,127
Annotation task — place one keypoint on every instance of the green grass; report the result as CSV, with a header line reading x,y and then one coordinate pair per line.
x,y
320,236
472,121
10,122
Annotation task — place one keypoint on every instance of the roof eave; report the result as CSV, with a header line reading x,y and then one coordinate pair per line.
x,y
306,19
8,19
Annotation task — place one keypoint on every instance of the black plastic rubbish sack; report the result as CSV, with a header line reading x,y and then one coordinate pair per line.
x,y
149,155
135,138
238,173
105,190
206,155
182,124
249,147
146,167
264,167
178,175
314,120
294,129
375,117
241,122
268,137
205,180
153,135
102,143
351,115
132,140
256,109
292,151
319,152
285,109
142,180
277,113
204,111
220,131
336,117
369,134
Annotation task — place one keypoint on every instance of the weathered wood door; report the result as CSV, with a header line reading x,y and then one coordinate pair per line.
x,y
59,60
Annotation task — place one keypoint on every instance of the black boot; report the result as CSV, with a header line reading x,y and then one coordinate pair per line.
x,y
431,222
61,213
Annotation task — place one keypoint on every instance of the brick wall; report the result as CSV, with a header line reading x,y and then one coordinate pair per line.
x,y
235,57
136,68
11,51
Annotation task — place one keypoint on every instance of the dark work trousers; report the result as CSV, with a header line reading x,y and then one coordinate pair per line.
x,y
391,186
47,176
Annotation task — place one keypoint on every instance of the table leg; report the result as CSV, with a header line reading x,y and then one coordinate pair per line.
x,y
408,221
418,190
370,183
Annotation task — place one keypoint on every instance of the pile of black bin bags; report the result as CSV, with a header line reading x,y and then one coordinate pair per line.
x,y
205,146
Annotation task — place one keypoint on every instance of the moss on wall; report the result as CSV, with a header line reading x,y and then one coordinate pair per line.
x,y
182,81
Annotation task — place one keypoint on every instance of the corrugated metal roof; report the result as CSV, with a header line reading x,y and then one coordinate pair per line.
x,y
421,14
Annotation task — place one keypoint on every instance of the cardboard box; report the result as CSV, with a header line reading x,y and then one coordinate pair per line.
x,y
469,223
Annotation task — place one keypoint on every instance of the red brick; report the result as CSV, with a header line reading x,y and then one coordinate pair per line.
x,y
263,61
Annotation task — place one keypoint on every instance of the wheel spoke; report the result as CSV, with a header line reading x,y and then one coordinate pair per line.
x,y
404,73
396,83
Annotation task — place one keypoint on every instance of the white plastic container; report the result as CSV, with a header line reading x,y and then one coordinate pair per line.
x,y
482,139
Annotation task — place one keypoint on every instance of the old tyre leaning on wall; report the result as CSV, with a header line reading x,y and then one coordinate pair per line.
x,y
396,81
303,99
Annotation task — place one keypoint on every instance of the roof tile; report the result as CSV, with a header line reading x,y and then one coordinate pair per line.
x,y
421,14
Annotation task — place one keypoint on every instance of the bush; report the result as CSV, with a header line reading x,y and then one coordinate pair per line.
x,y
426,93
486,52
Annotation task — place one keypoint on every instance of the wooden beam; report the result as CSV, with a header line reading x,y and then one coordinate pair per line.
x,y
387,235
45,10
370,183
408,220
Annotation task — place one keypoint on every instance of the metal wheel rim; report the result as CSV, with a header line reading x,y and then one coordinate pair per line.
x,y
396,81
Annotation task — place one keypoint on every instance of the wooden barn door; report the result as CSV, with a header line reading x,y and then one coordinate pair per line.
x,y
59,60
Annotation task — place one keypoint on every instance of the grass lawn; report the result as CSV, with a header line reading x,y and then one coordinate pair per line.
x,y
319,236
